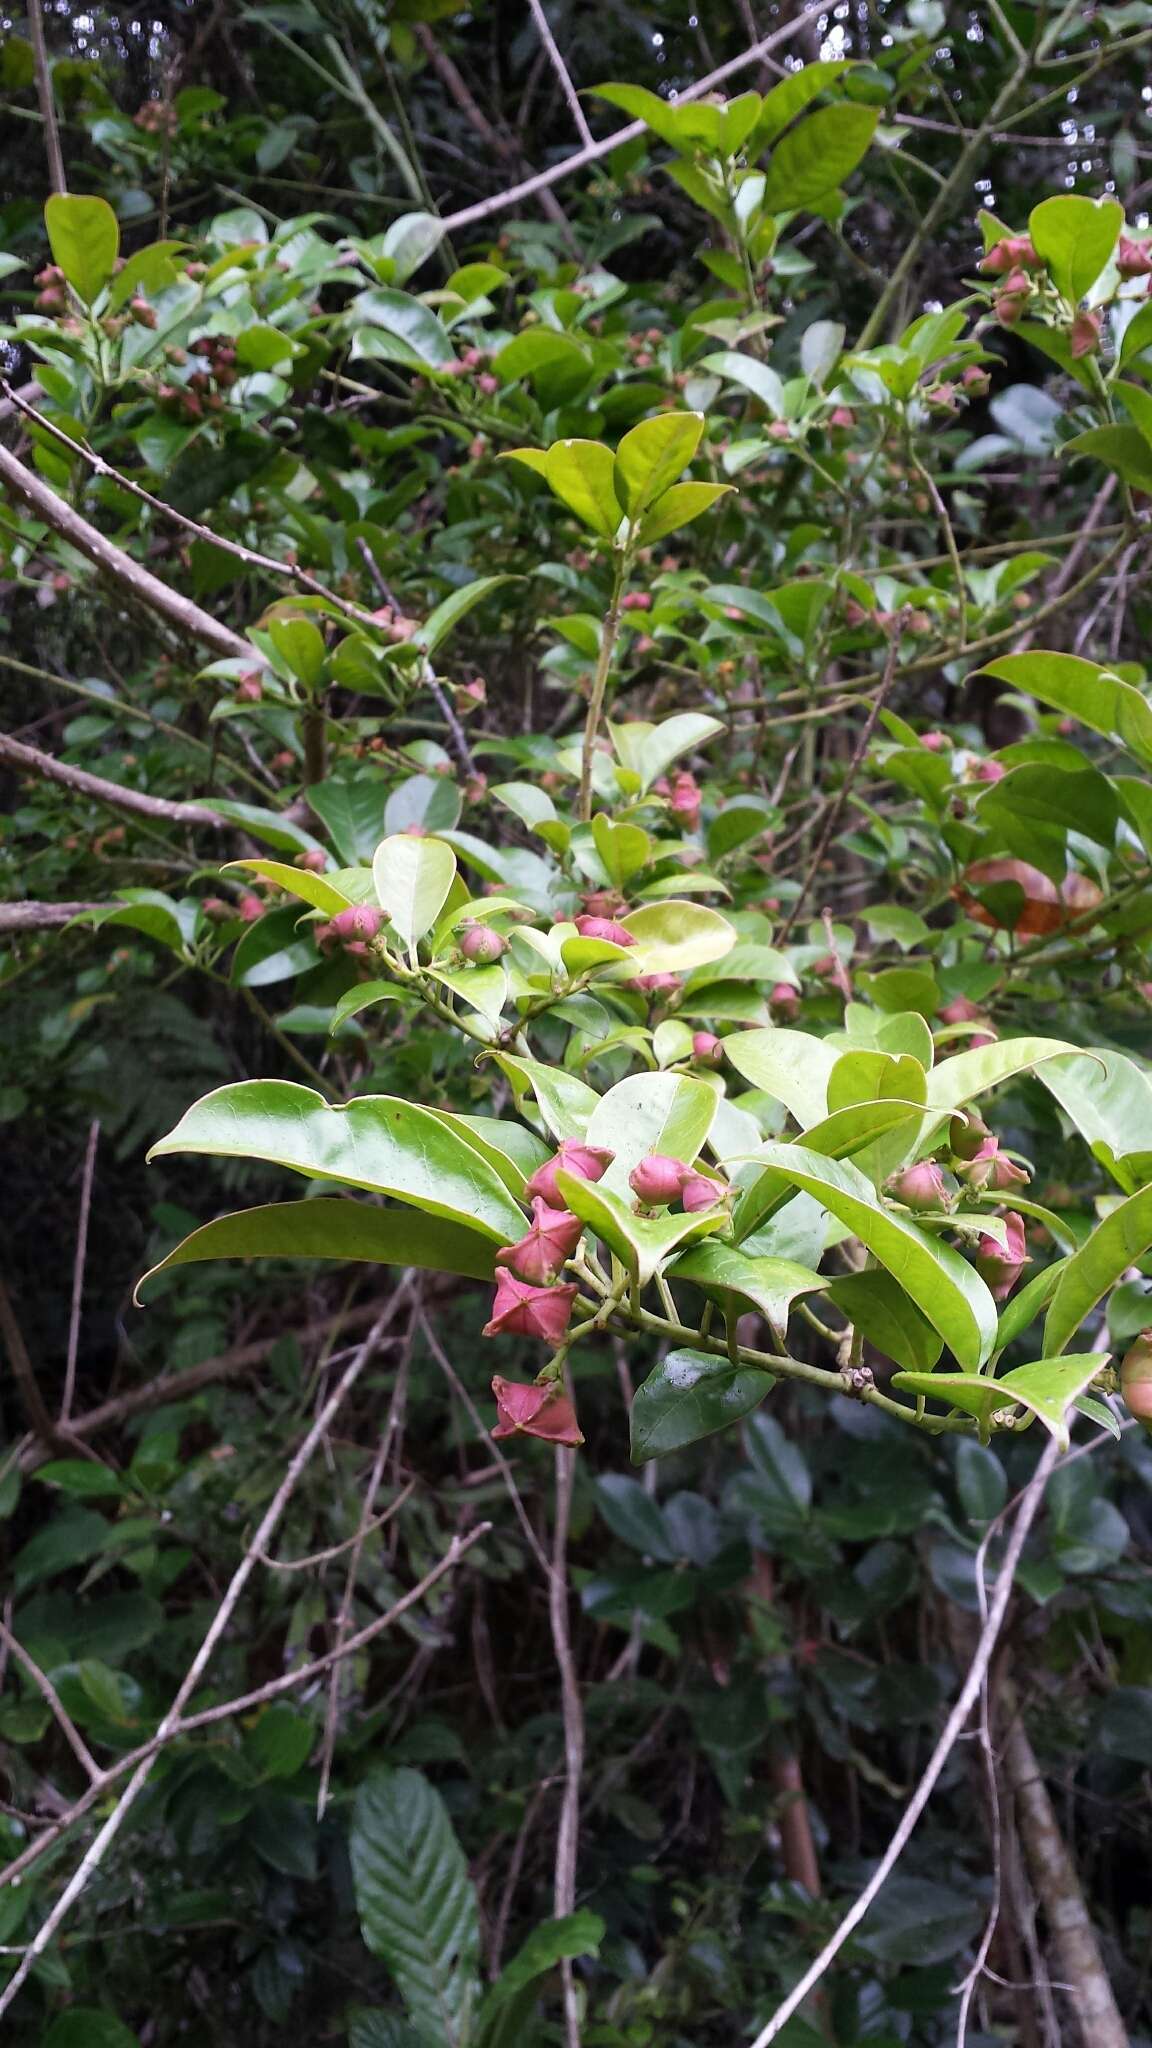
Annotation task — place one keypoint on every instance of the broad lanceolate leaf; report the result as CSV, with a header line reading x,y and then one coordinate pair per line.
x,y
580,473
651,457
416,1902
1109,1099
314,889
1076,237
728,1276
679,507
1100,700
376,1142
792,1066
1121,1240
949,1293
648,750
1047,1388
505,2014
751,374
84,235
689,1395
670,1113
968,1074
644,1243
413,877
446,615
336,1230
888,1317
817,156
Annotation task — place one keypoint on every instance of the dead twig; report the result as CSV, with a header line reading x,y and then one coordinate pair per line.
x,y
78,1272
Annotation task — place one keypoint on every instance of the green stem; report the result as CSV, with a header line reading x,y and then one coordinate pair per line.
x,y
608,637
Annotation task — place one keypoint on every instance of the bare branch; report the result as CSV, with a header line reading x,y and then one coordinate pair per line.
x,y
572,1709
78,1271
33,762
561,70
60,1714
45,95
953,1729
43,502
37,917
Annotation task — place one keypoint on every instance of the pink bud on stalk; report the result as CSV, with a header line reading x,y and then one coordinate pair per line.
x,y
1133,259
707,1048
1084,335
1001,1266
784,1000
658,1179
550,1240
920,1187
584,1162
698,1192
358,921
959,1011
523,1310
528,1410
480,944
604,928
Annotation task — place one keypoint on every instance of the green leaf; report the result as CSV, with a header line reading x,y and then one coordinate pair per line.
x,y
726,1274
633,1515
647,751
751,374
333,1230
644,1243
378,1142
1118,447
399,329
981,1481
580,474
675,936
556,364
888,1317
1026,1304
566,1103
88,2026
967,1074
84,235
791,1066
686,127
1076,237
415,1899
948,1292
790,98
652,455
301,645
1109,1100
817,156
689,1395
314,889
410,241
1137,335
449,612
1047,1388
279,1743
1100,700
504,2014
679,507
1121,1240
413,877
275,830
668,1113
369,2026
82,1479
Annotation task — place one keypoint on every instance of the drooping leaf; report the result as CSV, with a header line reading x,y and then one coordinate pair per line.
x,y
314,889
448,613
689,1395
416,1902
1121,1240
335,1230
377,1141
1047,1388
727,1275
505,2013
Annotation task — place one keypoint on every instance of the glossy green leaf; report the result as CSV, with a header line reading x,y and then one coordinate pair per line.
x,y
1076,237
398,328
1119,447
644,1243
413,877
314,889
1100,700
416,1901
867,1076
791,96
365,996
669,1113
411,240
1121,1240
751,375
689,1395
816,156
679,507
652,455
847,1134
674,936
377,1142
580,473
876,1304
948,1292
728,1275
684,127
445,616
566,1103
1047,1388
792,1066
1109,1100
649,750
1026,1304
335,1230
968,1074
84,236
300,645
505,2015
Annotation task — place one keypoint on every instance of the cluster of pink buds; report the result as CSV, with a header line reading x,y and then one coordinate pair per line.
x,y
1000,1266
683,795
353,928
654,984
583,1162
1012,252
659,1180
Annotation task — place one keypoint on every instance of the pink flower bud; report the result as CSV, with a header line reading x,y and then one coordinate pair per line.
x,y
551,1239
684,801
479,943
1084,335
1011,299
487,383
698,1192
653,984
920,1187
976,381
841,416
604,928
602,903
1136,1377
584,1162
966,1134
934,741
984,771
1001,1267
990,1168
636,601
1009,253
658,1179
707,1047
526,1410
1133,259
358,921
313,860
784,999
521,1310
959,1011
250,908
